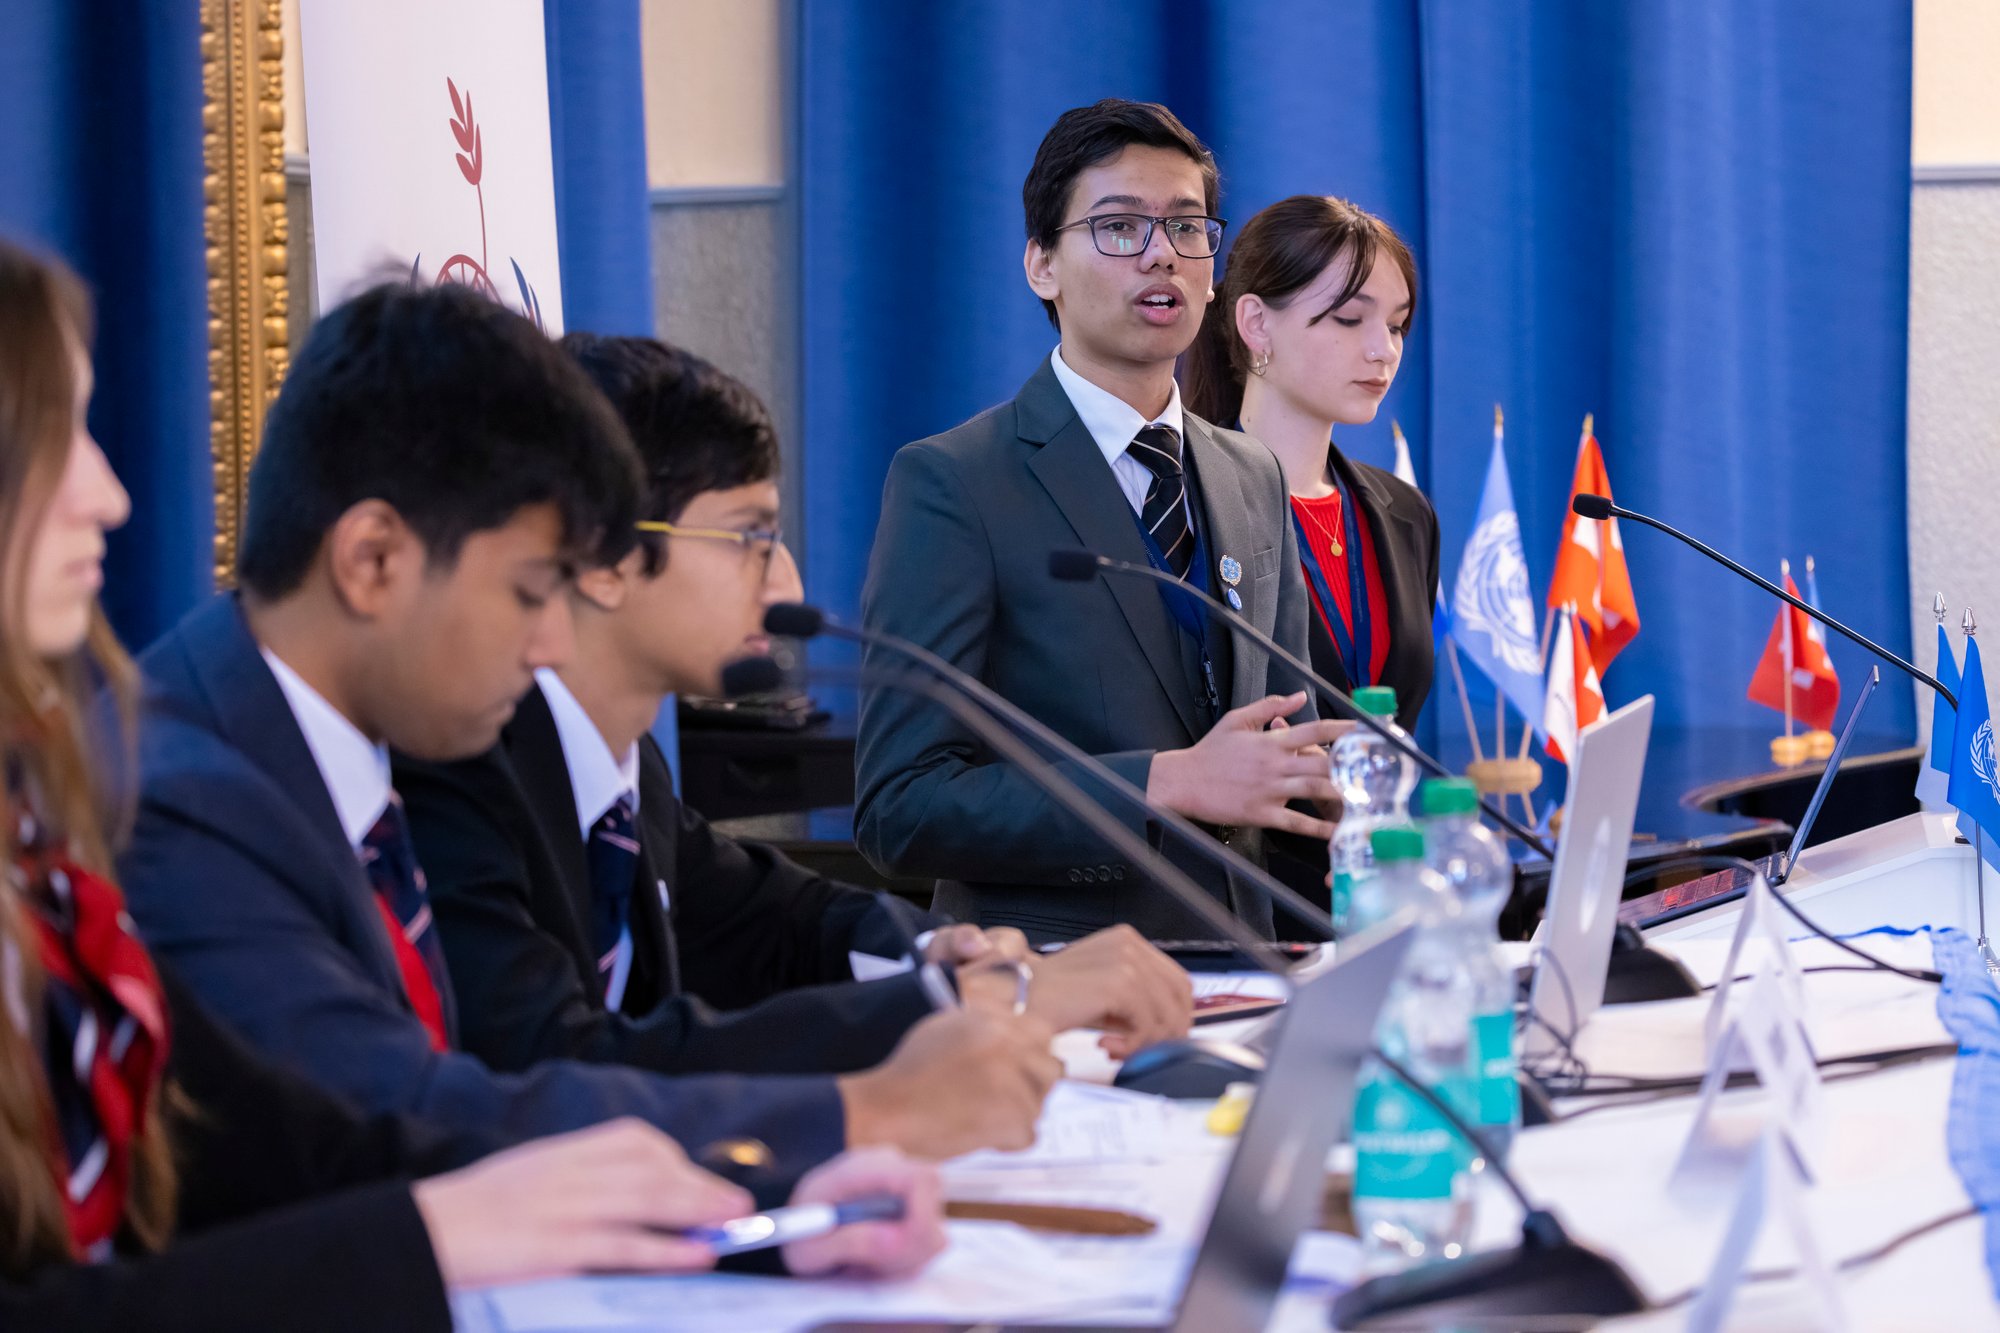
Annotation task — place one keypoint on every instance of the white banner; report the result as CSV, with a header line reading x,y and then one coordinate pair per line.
x,y
428,127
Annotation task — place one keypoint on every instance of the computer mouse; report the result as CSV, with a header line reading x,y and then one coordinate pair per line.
x,y
1192,1067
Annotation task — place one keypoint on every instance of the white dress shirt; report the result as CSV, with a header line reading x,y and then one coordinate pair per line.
x,y
354,768
597,778
1113,422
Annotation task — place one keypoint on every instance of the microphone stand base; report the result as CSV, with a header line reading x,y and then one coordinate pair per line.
x,y
1546,1282
1638,973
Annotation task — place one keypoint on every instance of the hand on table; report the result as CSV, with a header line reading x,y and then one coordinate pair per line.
x,y
596,1200
872,1249
1112,980
959,1080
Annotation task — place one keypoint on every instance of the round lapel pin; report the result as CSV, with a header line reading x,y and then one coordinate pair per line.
x,y
1232,573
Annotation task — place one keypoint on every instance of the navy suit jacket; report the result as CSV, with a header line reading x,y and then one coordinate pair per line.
x,y
742,928
240,877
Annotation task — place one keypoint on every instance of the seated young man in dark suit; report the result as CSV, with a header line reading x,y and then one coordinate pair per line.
x,y
430,476
1095,451
586,912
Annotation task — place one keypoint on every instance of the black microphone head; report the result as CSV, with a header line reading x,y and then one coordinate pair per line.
x,y
1073,566
1592,506
751,675
794,620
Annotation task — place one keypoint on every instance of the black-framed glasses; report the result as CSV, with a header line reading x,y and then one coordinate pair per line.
x,y
760,542
1123,235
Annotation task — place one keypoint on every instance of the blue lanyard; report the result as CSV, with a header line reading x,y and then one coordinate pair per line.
x,y
1357,648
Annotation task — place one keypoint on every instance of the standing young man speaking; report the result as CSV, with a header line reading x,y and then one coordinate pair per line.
x,y
1094,451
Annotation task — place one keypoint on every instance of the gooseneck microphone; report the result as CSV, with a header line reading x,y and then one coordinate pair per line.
x,y
796,620
1600,507
1083,566
1545,1273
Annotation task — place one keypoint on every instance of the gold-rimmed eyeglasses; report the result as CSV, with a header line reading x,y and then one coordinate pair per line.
x,y
760,542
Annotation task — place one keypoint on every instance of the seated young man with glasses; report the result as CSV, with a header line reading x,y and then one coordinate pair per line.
x,y
1095,451
586,912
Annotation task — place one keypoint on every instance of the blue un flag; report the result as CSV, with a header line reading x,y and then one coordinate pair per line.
x,y
1492,607
1975,776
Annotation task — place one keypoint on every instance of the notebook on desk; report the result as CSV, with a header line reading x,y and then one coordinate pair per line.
x,y
1272,1189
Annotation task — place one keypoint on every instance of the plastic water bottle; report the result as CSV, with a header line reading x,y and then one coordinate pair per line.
x,y
1475,864
1374,780
1412,1170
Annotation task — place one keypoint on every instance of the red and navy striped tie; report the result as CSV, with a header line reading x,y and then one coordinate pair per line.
x,y
401,892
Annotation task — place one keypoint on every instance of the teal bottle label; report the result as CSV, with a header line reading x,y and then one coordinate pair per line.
x,y
1499,1097
1403,1149
1342,903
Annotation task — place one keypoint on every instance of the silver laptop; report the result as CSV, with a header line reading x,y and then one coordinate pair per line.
x,y
1272,1189
1588,879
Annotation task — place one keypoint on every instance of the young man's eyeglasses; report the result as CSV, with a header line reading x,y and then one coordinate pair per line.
x,y
1123,235
760,542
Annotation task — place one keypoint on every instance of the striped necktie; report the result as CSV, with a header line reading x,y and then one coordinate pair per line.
x,y
614,865
403,896
1165,515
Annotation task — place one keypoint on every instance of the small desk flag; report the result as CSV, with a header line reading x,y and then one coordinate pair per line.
x,y
1793,652
1933,780
1590,569
1975,775
1492,607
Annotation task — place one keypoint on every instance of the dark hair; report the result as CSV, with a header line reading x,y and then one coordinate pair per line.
x,y
697,428
1084,136
1278,255
448,406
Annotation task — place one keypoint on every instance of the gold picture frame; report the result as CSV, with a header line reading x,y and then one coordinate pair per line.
x,y
244,222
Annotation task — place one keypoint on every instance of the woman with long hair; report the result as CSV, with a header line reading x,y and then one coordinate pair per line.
x,y
154,1174
1305,336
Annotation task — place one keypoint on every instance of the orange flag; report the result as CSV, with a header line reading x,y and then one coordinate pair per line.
x,y
1793,649
1575,698
1590,564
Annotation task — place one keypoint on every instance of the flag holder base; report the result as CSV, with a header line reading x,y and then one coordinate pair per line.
x,y
1791,751
1819,744
1505,777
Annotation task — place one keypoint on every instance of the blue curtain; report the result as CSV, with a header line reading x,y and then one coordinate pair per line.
x,y
100,163
597,128
1691,220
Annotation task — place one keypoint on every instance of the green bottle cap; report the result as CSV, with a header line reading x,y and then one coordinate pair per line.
x,y
1376,700
1448,796
1397,842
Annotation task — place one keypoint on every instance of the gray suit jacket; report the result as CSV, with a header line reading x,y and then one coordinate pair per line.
x,y
960,565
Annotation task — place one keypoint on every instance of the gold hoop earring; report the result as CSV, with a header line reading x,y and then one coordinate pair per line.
x,y
1260,363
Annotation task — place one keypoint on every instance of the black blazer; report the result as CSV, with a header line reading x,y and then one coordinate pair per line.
x,y
257,1248
960,566
1405,529
240,877
743,928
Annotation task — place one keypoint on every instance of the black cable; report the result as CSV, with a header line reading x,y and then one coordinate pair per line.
x,y
1719,861
1641,1083
1825,967
1847,1265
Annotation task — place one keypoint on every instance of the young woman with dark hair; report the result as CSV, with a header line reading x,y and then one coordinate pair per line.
x,y
1305,336
153,1173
